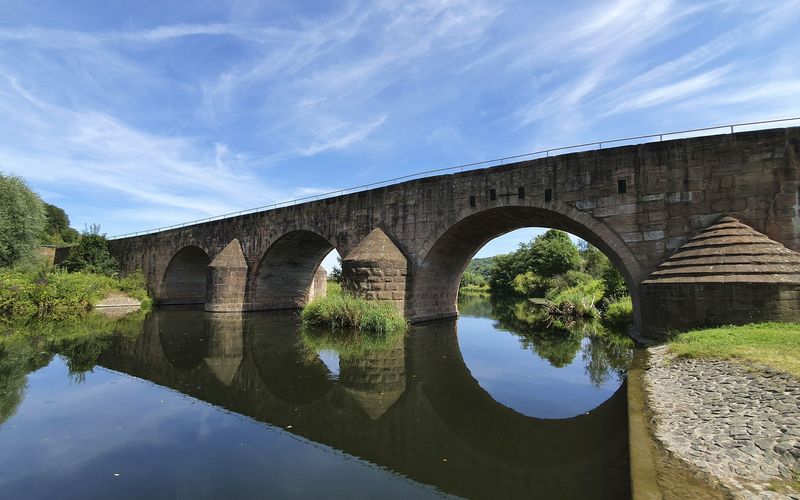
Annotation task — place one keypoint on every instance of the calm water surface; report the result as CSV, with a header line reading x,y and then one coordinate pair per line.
x,y
187,404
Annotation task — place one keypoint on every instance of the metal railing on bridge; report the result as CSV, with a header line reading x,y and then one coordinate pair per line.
x,y
543,153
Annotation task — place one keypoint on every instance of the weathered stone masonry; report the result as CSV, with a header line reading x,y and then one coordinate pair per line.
x,y
638,204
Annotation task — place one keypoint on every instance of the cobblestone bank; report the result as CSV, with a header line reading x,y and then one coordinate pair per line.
x,y
738,423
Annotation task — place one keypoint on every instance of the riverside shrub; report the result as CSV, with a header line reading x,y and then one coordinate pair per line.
x,y
580,300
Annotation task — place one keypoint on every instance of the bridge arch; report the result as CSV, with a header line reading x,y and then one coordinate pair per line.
x,y
184,280
286,270
436,278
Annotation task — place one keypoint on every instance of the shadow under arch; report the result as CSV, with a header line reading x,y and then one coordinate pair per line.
x,y
184,280
436,279
466,407
271,343
286,270
181,335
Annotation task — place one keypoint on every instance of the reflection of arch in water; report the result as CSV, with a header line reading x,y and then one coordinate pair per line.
x,y
182,339
436,280
287,269
443,413
466,408
289,372
184,280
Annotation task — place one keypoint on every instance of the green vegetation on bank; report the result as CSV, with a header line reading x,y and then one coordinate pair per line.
x,y
772,344
619,312
31,288
576,281
340,310
56,294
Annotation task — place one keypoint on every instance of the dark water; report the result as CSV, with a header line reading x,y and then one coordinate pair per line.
x,y
187,404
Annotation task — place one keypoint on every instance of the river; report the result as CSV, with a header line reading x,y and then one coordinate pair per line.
x,y
180,403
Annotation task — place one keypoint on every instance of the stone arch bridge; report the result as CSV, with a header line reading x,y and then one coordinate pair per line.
x,y
410,242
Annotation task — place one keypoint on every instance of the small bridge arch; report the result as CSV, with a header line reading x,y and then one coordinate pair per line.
x,y
286,271
184,280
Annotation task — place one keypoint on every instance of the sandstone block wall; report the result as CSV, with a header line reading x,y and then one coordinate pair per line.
x,y
686,306
672,189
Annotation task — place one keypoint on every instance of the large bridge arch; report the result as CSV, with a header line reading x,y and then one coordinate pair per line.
x,y
436,278
184,280
284,274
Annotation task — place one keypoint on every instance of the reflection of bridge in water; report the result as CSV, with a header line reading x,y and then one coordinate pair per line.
x,y
413,408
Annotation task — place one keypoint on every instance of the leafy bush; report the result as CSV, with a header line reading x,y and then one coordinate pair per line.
x,y
135,285
619,313
531,284
473,280
57,230
91,254
580,300
349,312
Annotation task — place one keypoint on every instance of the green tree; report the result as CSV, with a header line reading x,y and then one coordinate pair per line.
x,y
57,231
593,259
336,273
22,220
553,253
91,254
613,282
504,270
470,278
548,255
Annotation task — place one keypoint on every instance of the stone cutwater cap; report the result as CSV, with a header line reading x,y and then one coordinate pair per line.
x,y
729,252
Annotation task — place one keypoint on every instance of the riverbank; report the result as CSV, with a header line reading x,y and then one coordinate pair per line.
x,y
735,424
51,293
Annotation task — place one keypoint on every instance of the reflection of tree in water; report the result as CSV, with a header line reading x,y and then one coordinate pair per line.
x,y
28,347
81,355
476,305
604,353
17,359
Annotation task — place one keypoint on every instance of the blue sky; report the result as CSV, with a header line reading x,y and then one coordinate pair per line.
x,y
145,113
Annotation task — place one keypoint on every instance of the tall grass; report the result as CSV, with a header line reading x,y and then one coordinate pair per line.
x,y
619,313
344,311
580,300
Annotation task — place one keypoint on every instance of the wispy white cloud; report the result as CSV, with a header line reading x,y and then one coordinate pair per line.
x,y
60,147
191,119
339,135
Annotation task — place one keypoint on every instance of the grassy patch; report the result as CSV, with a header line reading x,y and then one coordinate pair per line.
x,y
345,311
56,294
773,344
786,486
333,288
619,313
